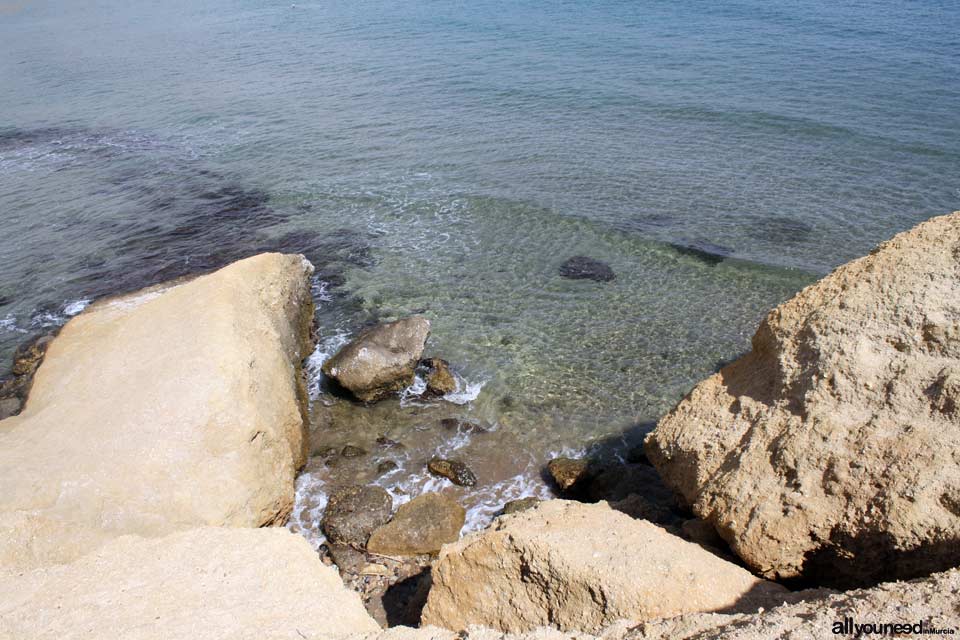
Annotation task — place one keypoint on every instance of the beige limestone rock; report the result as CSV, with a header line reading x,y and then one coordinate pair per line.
x,y
420,526
177,406
831,451
577,566
381,360
935,600
202,583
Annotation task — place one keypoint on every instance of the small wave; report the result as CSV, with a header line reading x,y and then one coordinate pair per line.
x,y
310,501
9,324
325,348
412,396
465,392
73,308
320,289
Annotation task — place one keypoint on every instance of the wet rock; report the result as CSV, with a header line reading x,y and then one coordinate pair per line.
x,y
516,506
10,407
387,443
354,512
462,426
439,378
351,451
567,472
386,467
29,355
453,470
584,268
420,526
381,360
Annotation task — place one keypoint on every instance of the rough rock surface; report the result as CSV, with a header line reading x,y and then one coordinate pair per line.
x,y
354,512
831,452
455,471
934,600
420,526
381,360
581,567
177,406
808,616
202,583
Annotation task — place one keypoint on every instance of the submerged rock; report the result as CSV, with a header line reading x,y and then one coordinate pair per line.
x,y
462,426
584,268
574,566
381,360
439,378
420,526
354,512
180,405
706,252
453,470
831,452
352,451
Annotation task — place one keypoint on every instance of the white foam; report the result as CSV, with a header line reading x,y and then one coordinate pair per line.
x,y
320,290
412,396
10,324
325,348
310,500
73,308
465,392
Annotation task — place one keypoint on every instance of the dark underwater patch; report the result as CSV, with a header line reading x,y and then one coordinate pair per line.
x,y
706,252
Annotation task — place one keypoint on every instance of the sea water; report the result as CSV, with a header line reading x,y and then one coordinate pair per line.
x,y
445,158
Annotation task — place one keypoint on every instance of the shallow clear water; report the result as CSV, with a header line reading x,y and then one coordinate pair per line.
x,y
445,158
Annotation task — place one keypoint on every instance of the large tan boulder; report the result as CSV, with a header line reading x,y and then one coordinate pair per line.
x,y
831,451
576,566
381,360
202,583
177,406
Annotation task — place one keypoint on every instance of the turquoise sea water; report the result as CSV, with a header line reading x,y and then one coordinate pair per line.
x,y
445,158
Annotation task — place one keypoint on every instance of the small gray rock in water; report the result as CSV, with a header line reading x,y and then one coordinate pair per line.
x,y
351,451
354,512
453,470
584,268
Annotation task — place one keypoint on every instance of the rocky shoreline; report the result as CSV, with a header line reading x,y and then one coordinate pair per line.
x,y
159,442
